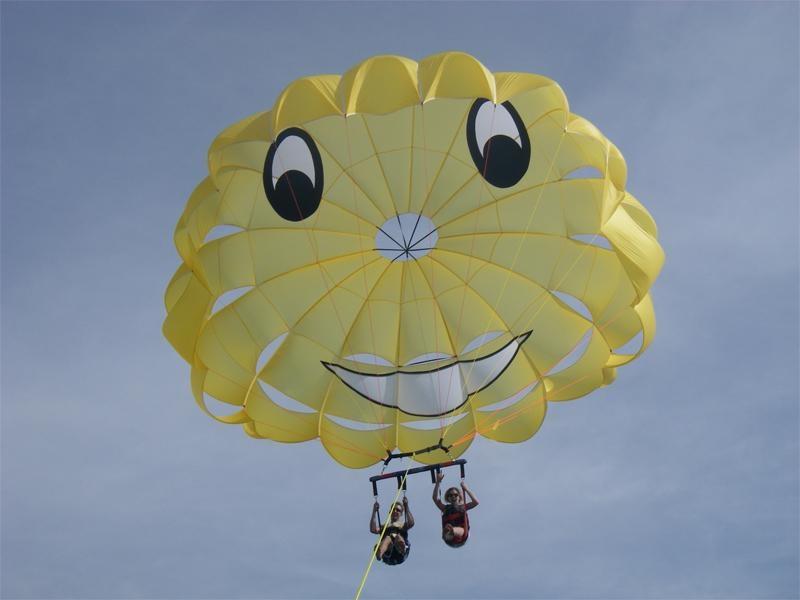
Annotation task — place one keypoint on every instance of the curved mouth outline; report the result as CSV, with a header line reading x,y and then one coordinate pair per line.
x,y
449,364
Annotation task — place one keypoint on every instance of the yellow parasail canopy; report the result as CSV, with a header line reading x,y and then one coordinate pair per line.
x,y
406,253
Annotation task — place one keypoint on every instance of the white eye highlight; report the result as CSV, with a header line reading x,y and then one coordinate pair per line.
x,y
494,119
292,154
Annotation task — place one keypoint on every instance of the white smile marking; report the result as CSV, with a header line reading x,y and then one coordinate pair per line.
x,y
438,391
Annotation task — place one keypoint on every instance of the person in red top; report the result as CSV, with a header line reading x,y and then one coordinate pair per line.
x,y
455,522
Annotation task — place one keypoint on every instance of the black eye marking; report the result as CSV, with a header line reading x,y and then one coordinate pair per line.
x,y
293,175
498,142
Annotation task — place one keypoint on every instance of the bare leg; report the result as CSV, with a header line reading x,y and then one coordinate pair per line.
x,y
384,546
447,531
400,545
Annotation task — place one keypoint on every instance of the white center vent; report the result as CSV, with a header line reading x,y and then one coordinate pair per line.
x,y
406,236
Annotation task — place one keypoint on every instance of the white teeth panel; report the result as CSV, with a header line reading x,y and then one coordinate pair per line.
x,y
381,389
434,392
431,393
434,424
480,373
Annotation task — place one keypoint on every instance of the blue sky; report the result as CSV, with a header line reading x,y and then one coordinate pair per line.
x,y
679,481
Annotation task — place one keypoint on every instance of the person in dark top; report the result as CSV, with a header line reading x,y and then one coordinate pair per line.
x,y
393,547
455,522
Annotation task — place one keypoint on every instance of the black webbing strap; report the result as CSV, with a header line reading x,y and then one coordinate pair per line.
x,y
439,446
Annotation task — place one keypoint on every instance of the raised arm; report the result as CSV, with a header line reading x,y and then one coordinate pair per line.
x,y
439,504
374,521
409,516
473,501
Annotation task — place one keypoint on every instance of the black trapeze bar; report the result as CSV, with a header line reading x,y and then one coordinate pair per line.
x,y
401,475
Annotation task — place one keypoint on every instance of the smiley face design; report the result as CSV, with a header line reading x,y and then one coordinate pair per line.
x,y
406,253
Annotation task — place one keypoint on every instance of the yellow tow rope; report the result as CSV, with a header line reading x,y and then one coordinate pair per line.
x,y
383,531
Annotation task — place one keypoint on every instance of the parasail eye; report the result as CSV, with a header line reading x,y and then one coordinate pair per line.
x,y
498,142
293,175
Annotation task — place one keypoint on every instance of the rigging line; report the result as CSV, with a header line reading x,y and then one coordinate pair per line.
x,y
583,249
397,346
367,290
527,128
289,272
354,273
297,230
400,227
516,195
519,247
410,179
412,246
380,163
349,445
345,170
399,245
355,200
219,205
300,416
428,189
453,347
312,242
447,156
488,147
376,419
534,234
383,532
413,231
353,449
364,305
530,220
422,329
514,414
493,311
539,381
